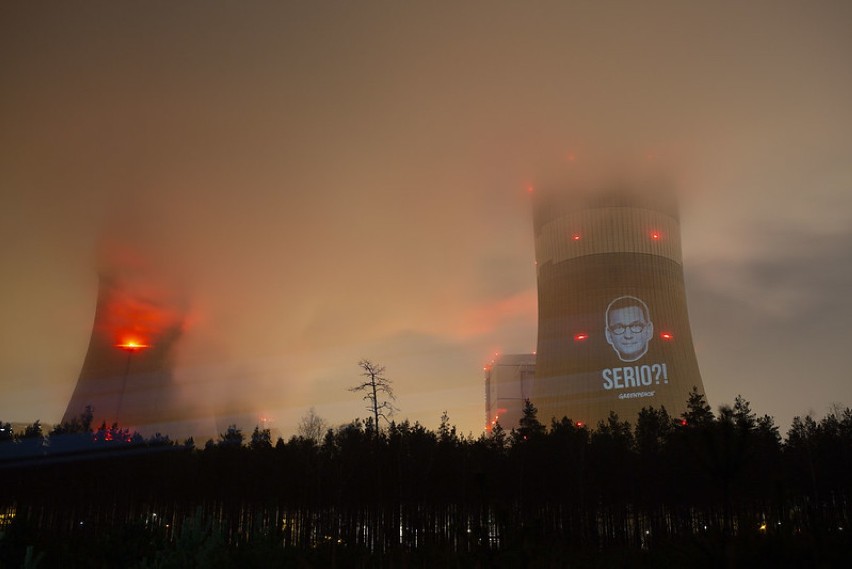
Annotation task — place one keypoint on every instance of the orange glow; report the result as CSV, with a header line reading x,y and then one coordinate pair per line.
x,y
580,424
655,235
135,315
580,337
529,189
132,346
576,236
571,157
666,335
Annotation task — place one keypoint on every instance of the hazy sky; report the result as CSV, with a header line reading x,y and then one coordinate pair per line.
x,y
325,182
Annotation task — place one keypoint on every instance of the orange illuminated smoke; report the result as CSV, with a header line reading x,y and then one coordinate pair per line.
x,y
581,337
667,336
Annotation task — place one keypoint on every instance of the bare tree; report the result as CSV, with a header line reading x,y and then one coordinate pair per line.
x,y
378,391
312,426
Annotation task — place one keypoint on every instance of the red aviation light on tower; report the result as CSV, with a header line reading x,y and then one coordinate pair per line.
x,y
134,316
132,346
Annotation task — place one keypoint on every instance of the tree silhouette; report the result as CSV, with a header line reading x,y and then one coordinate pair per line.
x,y
378,392
6,433
33,431
77,425
446,432
529,427
231,438
724,488
260,439
498,439
653,427
312,426
697,412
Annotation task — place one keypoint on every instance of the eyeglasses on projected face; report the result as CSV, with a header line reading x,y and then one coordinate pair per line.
x,y
635,327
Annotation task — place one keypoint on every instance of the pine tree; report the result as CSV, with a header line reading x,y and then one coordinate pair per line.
x,y
697,412
529,427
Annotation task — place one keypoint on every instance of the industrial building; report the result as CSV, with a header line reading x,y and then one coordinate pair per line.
x,y
613,327
508,383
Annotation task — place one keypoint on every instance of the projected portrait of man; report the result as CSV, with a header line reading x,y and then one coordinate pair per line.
x,y
628,327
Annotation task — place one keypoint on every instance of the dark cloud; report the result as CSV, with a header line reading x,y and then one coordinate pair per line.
x,y
776,328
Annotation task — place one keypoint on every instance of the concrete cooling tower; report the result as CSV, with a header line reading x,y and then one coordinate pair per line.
x,y
613,330
127,373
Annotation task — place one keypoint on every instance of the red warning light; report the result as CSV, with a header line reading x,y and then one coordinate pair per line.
x,y
581,337
683,422
132,346
576,236
529,189
581,424
655,235
667,336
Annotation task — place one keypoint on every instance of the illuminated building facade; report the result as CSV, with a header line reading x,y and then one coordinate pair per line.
x,y
508,382
127,374
613,329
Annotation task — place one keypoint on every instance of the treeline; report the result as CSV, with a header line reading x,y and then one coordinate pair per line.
x,y
720,488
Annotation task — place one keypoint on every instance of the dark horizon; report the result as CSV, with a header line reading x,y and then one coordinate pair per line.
x,y
701,490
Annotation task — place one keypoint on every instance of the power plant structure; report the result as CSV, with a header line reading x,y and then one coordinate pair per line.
x,y
613,329
126,376
508,384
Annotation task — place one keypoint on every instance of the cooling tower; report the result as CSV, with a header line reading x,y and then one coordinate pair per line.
x,y
127,373
613,329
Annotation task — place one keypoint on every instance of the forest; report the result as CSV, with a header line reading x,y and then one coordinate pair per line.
x,y
702,489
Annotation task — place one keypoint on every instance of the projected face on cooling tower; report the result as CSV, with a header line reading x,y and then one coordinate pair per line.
x,y
613,326
628,327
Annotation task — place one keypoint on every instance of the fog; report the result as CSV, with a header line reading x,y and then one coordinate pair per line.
x,y
322,184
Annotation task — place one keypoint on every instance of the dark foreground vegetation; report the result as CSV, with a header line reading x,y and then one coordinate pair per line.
x,y
700,490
